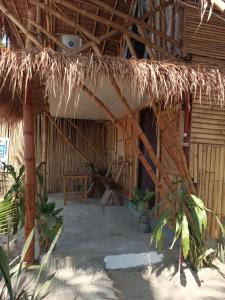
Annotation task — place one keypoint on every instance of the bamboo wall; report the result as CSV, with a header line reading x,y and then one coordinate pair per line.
x,y
206,39
123,151
174,117
207,156
15,144
61,158
206,43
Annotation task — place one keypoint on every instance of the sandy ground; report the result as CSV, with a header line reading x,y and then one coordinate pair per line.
x,y
161,283
89,235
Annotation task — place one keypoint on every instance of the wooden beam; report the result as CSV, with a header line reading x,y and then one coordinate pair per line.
x,y
15,30
120,28
134,20
108,29
66,20
105,36
15,27
30,170
5,11
31,16
130,46
49,35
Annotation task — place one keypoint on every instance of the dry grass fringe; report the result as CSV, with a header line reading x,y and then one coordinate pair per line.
x,y
165,82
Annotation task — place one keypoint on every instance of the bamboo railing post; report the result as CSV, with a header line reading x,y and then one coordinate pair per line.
x,y
30,170
173,141
141,135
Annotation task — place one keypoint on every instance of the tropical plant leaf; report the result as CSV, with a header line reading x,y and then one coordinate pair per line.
x,y
198,201
21,172
178,229
185,236
158,230
44,262
4,268
21,263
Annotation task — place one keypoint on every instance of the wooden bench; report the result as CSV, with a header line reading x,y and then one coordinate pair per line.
x,y
73,180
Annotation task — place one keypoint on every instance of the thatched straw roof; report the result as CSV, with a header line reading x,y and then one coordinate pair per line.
x,y
164,82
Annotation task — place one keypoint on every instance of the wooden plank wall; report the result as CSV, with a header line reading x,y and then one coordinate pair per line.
x,y
207,156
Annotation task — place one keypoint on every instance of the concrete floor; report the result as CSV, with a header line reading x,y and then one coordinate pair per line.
x,y
90,233
91,230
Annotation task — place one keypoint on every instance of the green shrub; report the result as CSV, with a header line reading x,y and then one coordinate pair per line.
x,y
189,228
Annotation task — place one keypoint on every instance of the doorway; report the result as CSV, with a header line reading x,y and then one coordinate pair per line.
x,y
148,125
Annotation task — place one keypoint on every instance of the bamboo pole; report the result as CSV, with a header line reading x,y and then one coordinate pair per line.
x,y
133,20
120,127
30,171
44,151
141,135
149,51
130,46
66,20
174,147
49,35
108,29
106,36
175,136
87,141
15,30
20,25
31,16
66,139
118,27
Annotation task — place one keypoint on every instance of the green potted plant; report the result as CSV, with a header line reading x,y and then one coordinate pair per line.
x,y
142,202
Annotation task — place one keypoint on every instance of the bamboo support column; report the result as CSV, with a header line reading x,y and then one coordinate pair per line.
x,y
30,170
44,150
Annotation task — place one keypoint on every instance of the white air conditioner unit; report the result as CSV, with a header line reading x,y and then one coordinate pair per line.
x,y
71,41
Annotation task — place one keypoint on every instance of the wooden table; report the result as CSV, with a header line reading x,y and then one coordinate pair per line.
x,y
73,179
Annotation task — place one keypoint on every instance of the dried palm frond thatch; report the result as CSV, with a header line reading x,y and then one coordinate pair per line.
x,y
165,82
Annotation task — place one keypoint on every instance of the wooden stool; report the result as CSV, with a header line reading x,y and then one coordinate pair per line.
x,y
74,178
